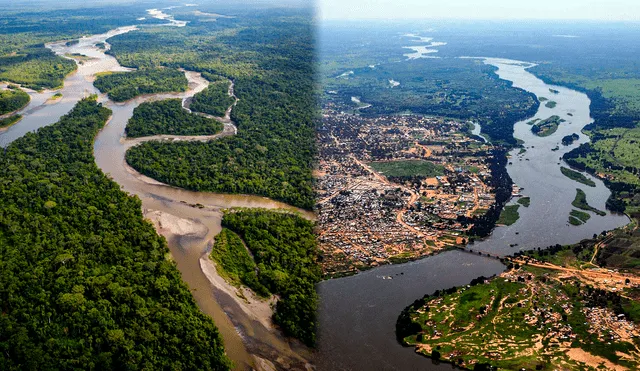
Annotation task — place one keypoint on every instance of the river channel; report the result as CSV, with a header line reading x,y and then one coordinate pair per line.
x,y
357,314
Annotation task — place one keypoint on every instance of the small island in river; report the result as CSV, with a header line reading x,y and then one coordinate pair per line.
x,y
547,127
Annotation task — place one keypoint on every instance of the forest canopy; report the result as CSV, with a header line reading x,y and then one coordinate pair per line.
x,y
122,86
168,117
214,100
84,279
13,100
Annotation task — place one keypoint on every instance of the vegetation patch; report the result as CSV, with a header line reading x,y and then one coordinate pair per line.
x,y
547,126
85,279
77,56
36,69
575,221
568,140
580,202
622,249
122,86
509,215
12,100
524,201
285,254
8,121
577,217
408,168
578,177
235,263
168,117
551,104
214,100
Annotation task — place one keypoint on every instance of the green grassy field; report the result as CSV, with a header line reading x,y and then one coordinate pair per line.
x,y
625,91
578,177
408,168
577,217
619,146
509,215
580,202
524,201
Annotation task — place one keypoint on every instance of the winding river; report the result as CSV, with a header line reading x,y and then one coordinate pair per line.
x,y
357,314
189,230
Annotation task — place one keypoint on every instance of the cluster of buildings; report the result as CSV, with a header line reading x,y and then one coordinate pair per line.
x,y
368,217
548,310
610,327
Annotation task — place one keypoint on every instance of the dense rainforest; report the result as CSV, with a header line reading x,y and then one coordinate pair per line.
x,y
85,282
168,117
269,55
13,99
284,263
122,86
214,100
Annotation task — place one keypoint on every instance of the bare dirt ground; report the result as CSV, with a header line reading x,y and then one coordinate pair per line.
x,y
590,360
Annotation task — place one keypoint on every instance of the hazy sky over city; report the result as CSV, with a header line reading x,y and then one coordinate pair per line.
x,y
627,10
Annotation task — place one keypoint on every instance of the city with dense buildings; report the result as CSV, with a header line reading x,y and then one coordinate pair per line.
x,y
396,187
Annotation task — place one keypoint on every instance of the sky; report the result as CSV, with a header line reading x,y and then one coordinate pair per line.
x,y
609,10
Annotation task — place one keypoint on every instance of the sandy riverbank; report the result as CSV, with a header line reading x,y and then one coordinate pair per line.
x,y
254,307
170,225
